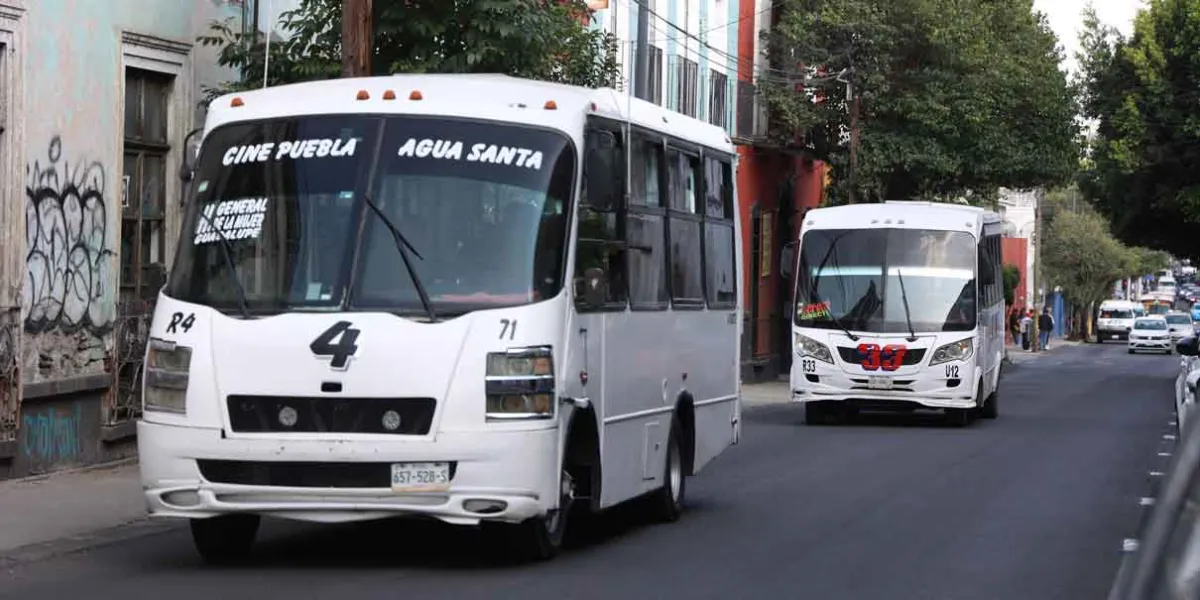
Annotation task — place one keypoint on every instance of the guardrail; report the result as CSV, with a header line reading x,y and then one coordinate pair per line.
x,y
1165,560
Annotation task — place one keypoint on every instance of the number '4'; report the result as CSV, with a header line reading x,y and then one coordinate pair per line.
x,y
340,352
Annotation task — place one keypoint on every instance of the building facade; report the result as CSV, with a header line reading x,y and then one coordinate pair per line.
x,y
96,103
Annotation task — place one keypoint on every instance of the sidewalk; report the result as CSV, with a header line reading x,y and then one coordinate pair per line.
x,y
68,507
1017,356
767,392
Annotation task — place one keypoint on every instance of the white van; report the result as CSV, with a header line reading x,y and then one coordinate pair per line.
x,y
1116,319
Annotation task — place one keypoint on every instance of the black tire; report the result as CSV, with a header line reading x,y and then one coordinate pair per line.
x,y
541,538
816,413
958,417
666,504
1131,350
227,539
991,406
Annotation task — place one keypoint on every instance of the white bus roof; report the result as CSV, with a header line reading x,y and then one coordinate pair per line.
x,y
902,215
473,96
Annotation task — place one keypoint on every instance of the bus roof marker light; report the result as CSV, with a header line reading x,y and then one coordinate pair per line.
x,y
415,95
362,95
389,95
236,102
551,105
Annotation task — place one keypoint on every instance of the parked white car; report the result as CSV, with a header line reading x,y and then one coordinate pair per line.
x,y
1150,334
1185,382
1180,325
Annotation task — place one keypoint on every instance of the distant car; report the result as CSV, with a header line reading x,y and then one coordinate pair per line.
x,y
1196,311
1180,324
1150,334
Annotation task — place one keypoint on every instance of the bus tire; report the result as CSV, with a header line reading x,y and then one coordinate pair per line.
x,y
816,413
958,417
666,504
226,539
541,538
991,406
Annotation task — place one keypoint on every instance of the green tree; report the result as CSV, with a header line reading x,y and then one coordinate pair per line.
x,y
1012,279
537,39
958,97
1142,93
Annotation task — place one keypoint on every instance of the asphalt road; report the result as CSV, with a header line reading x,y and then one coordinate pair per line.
x,y
1033,505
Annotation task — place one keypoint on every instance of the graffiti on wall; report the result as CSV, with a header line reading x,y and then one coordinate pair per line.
x,y
51,435
69,258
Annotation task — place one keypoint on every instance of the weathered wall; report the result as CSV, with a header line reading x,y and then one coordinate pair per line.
x,y
62,99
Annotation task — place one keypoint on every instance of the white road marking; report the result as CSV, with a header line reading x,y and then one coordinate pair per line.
x,y
1129,545
1156,473
1146,501
1164,453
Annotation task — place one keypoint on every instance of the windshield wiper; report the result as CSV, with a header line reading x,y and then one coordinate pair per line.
x,y
227,251
404,247
817,277
912,335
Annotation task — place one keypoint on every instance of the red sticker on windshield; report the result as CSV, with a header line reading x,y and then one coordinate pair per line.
x,y
814,311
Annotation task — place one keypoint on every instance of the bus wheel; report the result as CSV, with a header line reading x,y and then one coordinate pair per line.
x,y
226,539
991,406
541,538
666,504
958,417
816,413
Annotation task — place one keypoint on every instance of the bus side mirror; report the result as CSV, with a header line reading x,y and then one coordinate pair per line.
x,y
595,288
1188,346
603,171
787,260
187,164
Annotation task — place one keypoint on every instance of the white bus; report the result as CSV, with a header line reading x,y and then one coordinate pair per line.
x,y
928,335
474,298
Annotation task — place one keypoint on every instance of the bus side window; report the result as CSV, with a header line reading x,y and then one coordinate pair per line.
x,y
600,243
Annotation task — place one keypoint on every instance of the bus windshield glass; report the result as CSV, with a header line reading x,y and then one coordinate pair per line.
x,y
841,281
281,209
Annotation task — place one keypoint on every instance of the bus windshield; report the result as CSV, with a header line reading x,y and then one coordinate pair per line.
x,y
482,204
841,282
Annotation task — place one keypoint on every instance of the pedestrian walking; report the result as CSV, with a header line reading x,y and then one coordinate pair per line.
x,y
1026,329
1045,326
1014,325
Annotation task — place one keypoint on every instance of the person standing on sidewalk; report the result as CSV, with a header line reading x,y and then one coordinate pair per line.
x,y
1014,325
1026,329
1045,326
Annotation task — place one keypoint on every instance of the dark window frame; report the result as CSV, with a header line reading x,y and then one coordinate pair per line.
x,y
139,147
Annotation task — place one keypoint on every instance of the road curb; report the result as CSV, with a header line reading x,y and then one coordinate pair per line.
x,y
76,544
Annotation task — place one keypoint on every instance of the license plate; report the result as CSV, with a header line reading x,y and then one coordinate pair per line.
x,y
1115,336
416,477
879,383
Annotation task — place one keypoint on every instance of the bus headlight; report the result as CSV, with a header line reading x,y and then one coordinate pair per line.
x,y
166,383
806,346
519,384
960,350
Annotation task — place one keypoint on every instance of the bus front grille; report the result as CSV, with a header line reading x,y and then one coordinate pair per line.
x,y
288,414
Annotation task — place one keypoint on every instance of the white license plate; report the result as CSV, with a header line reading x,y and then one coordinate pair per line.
x,y
415,477
1115,336
879,383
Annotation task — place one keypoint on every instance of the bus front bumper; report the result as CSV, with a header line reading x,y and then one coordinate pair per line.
x,y
496,476
924,388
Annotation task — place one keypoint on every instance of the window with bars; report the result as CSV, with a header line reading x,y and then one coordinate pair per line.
x,y
718,94
656,75
687,73
144,184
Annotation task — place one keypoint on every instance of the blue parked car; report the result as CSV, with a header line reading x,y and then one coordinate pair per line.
x,y
1196,311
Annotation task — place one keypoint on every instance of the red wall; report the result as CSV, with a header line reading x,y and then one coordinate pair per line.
x,y
1015,251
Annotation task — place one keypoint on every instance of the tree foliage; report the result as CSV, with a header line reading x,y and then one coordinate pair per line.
x,y
1144,95
1012,279
537,39
1081,255
957,96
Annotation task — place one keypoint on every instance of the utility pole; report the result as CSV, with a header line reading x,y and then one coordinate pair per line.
x,y
641,57
357,38
854,108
